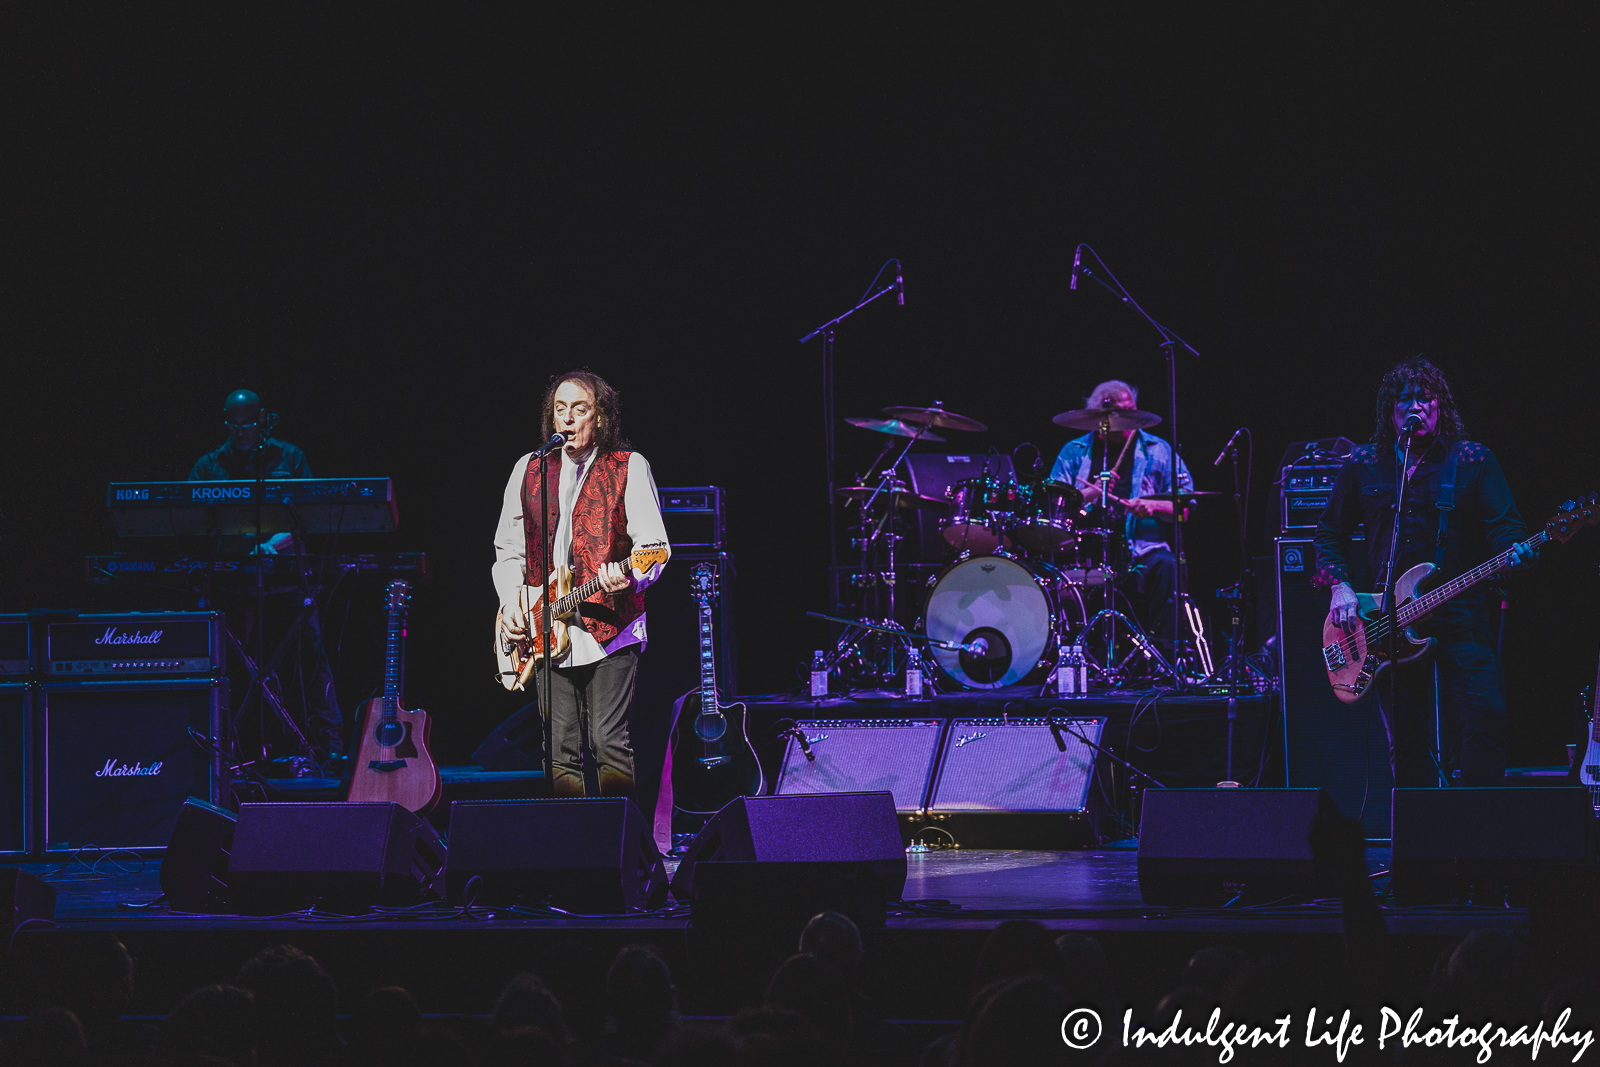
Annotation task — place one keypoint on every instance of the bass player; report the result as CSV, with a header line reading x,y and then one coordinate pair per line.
x,y
1481,521
603,503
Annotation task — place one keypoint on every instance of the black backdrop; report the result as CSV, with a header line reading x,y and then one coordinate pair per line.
x,y
396,230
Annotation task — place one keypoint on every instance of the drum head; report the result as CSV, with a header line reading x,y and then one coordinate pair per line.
x,y
997,604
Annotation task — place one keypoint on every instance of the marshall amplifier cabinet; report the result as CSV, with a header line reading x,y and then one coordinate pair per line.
x,y
16,652
16,769
134,644
116,760
694,519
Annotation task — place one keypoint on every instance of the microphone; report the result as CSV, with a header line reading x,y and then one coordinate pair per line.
x,y
1413,425
557,439
1227,447
1077,261
900,283
805,746
1055,731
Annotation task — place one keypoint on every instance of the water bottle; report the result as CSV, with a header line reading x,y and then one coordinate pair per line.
x,y
819,676
1080,671
1066,673
913,675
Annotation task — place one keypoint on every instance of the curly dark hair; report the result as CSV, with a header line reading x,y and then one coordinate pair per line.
x,y
607,408
1421,372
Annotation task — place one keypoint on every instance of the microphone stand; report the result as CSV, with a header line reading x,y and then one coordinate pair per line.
x,y
1391,610
826,332
546,550
1170,343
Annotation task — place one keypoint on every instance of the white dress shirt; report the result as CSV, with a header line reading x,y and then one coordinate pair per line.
x,y
643,505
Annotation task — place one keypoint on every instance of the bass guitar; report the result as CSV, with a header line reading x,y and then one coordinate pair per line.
x,y
712,758
1353,659
392,762
1589,764
518,656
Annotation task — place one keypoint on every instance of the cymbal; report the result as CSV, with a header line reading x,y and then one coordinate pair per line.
x,y
936,416
1193,494
902,498
895,427
1106,418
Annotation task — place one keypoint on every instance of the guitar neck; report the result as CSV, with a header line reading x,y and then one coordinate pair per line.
x,y
393,666
708,661
1430,602
579,595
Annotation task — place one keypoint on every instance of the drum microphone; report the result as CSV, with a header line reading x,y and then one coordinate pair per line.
x,y
899,283
1227,447
557,439
1055,731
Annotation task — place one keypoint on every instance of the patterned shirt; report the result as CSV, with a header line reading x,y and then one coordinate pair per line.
x,y
1152,473
1484,523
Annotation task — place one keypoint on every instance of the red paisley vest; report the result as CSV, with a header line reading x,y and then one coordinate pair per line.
x,y
599,536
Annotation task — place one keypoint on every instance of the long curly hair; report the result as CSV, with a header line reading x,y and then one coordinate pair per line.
x,y
1421,372
607,409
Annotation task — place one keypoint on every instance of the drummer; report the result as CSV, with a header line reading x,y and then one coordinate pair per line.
x,y
1143,465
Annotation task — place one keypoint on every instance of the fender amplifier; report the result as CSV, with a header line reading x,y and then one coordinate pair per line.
x,y
117,759
1017,783
863,756
134,644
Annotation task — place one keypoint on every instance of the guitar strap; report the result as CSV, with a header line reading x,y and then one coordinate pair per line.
x,y
1447,500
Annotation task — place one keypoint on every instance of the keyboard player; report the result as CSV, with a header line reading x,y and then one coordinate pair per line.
x,y
304,676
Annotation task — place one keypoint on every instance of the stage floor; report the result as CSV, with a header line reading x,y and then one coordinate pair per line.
x,y
921,960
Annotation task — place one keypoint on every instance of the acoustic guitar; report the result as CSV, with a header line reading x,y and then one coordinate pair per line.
x,y
1354,659
713,761
393,762
518,656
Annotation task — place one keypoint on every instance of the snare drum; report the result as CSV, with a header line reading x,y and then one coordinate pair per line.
x,y
1002,608
980,510
1048,520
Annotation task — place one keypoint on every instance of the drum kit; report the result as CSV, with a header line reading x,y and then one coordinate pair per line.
x,y
1033,568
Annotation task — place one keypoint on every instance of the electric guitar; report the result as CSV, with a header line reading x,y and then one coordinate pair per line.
x,y
1589,764
392,761
1353,659
517,656
712,759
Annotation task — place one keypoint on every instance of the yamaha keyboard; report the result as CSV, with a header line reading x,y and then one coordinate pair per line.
x,y
309,505
187,571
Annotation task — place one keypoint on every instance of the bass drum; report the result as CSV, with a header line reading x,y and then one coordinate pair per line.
x,y
1004,610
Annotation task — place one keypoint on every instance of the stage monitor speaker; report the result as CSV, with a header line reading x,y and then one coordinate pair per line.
x,y
864,755
1453,844
932,474
350,855
803,828
516,744
591,854
1327,744
16,768
1210,846
194,869
118,759
1007,783
25,897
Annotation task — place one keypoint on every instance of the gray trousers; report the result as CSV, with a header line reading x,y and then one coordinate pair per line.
x,y
589,715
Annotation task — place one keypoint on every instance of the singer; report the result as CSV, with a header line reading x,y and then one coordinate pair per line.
x,y
603,501
1482,523
1143,464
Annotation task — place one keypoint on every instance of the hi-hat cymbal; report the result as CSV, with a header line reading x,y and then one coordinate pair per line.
x,y
936,416
895,427
1106,419
902,498
1193,494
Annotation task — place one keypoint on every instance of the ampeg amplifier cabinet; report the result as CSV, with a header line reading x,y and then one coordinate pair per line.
x,y
1306,490
16,769
141,644
694,519
117,759
1327,744
1017,783
861,755
16,652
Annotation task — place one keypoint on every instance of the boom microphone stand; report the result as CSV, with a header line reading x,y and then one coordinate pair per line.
x,y
826,332
1170,342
